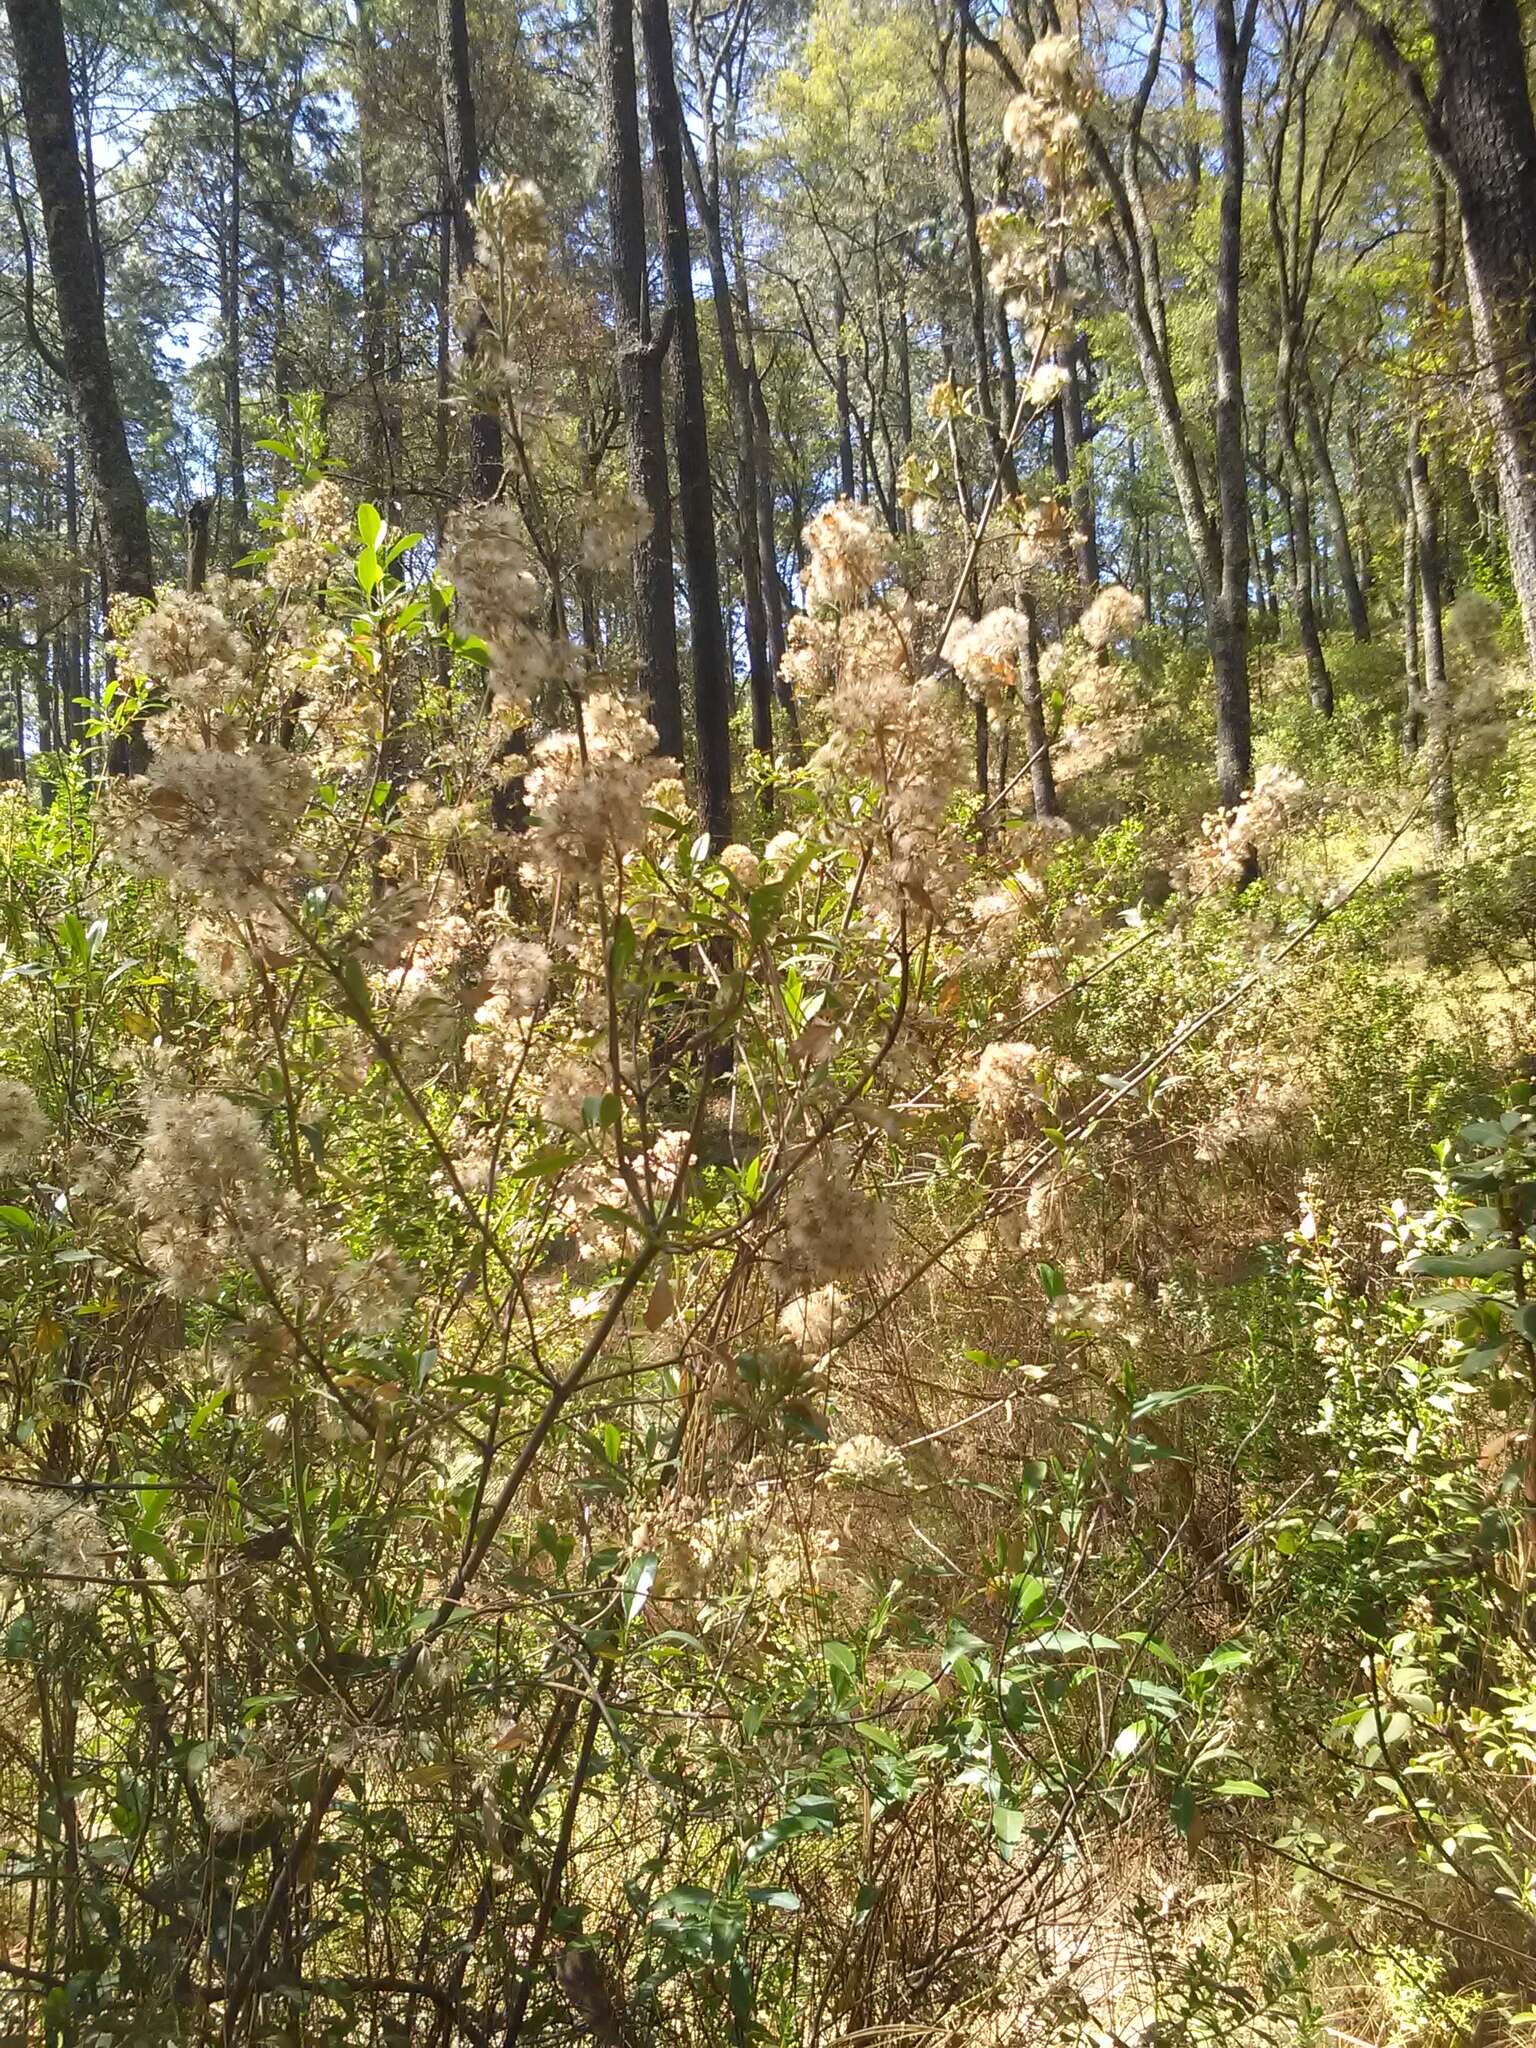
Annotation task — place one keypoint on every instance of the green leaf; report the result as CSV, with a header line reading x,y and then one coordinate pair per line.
x,y
813,1813
370,524
1467,1265
1008,1825
1170,1397
1239,1788
16,1219
638,1581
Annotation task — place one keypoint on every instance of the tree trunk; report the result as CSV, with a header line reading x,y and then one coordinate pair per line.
x,y
381,419
1078,445
1438,734
639,374
1413,666
234,363
1303,576
1042,779
1488,136
42,68
711,661
1229,622
706,194
1338,517
461,156
844,410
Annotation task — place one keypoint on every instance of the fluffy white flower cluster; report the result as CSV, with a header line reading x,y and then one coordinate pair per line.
x,y
1115,614
611,529
1043,124
502,594
1278,802
832,1230
742,865
320,512
216,823
1267,1113
1050,382
1104,1308
205,1195
516,977
189,648
848,556
585,806
24,1129
985,653
599,1186
814,1322
59,1541
867,1461
240,1791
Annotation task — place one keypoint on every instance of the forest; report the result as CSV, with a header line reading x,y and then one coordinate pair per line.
x,y
767,1072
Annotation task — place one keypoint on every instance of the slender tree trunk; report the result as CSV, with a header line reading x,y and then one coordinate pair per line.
x,y
844,409
639,374
1438,731
380,419
711,662
1413,666
234,360
1229,622
1338,517
42,69
1079,452
1303,576
1042,780
461,155
705,181
1189,84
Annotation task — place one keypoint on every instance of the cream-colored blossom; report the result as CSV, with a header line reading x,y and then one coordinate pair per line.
x,y
848,556
24,1129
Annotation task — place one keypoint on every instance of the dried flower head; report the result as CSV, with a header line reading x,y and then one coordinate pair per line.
x,y
24,1130
848,556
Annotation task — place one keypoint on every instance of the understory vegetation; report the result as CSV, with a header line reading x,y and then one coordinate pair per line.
x,y
773,1291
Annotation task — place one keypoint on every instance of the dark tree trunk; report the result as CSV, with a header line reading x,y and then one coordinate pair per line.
x,y
1482,111
381,419
711,660
42,68
1338,517
844,409
1438,735
639,373
1042,780
1078,442
1413,666
705,180
1303,579
232,310
1229,620
461,155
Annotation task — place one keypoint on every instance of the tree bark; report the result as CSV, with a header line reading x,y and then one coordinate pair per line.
x,y
461,155
704,178
42,68
711,661
1229,623
1413,666
1338,517
1042,779
844,410
1482,133
1438,734
639,375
